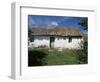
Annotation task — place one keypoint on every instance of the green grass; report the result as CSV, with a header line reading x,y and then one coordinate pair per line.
x,y
46,56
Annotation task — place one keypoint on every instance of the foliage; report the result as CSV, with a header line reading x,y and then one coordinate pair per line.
x,y
46,56
83,56
84,23
42,46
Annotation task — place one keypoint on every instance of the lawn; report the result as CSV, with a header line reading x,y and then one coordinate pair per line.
x,y
46,56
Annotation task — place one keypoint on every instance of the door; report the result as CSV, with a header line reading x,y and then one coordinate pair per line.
x,y
52,39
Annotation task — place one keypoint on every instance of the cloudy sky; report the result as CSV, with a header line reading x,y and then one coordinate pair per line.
x,y
53,21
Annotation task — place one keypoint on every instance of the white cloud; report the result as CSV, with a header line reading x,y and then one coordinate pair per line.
x,y
54,23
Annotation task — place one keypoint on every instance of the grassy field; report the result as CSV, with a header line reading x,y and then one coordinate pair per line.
x,y
46,56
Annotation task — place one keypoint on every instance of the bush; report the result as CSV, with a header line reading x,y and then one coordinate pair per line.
x,y
46,56
83,54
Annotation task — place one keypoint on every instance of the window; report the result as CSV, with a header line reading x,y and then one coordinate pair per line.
x,y
32,39
70,40
64,38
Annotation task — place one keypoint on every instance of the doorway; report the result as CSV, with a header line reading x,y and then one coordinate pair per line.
x,y
52,39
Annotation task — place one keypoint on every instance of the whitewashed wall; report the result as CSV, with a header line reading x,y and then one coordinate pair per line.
x,y
40,40
58,43
64,43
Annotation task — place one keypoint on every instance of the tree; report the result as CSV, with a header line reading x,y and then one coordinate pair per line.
x,y
83,58
84,23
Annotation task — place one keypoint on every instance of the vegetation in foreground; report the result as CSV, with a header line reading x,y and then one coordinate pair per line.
x,y
46,56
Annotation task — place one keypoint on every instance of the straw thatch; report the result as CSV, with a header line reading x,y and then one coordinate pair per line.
x,y
57,31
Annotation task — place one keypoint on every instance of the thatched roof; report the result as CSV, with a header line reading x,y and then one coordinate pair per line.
x,y
57,31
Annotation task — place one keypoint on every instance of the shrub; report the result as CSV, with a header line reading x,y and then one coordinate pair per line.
x,y
83,54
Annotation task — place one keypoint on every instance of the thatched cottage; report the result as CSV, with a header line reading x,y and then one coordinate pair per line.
x,y
56,38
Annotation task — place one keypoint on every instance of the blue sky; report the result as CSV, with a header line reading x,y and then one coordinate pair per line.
x,y
54,21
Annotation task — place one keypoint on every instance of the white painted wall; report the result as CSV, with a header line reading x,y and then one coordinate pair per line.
x,y
64,43
40,40
58,43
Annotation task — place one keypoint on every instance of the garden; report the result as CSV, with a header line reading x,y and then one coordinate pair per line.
x,y
48,56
